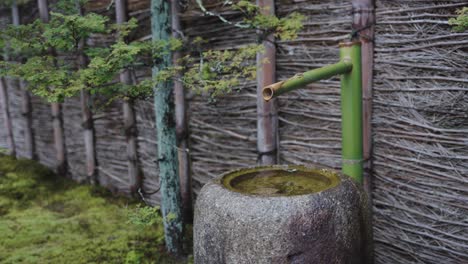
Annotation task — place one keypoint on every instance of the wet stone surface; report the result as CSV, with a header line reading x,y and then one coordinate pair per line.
x,y
280,182
267,224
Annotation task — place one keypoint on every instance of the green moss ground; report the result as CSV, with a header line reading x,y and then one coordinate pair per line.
x,y
47,219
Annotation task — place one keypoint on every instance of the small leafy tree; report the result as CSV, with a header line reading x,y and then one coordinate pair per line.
x,y
55,77
50,76
460,23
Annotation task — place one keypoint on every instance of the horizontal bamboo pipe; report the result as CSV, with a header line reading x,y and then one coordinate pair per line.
x,y
301,80
349,67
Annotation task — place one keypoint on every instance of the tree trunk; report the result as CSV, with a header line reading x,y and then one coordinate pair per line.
x,y
363,23
181,126
267,113
129,115
56,108
6,117
167,143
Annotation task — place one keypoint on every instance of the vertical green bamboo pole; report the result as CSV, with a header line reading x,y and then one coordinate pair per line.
x,y
351,111
166,132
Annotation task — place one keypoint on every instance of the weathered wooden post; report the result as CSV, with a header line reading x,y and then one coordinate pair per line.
x,y
6,117
89,138
4,102
26,109
87,115
129,114
59,136
363,25
166,132
26,112
181,125
267,112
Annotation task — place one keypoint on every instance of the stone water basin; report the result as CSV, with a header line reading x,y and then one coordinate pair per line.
x,y
282,214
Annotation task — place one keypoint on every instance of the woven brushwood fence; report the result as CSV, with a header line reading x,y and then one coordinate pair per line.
x,y
421,134
419,121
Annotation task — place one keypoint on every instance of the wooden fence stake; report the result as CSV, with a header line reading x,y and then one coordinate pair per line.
x,y
181,125
129,115
6,117
267,112
56,108
87,117
363,25
26,110
89,138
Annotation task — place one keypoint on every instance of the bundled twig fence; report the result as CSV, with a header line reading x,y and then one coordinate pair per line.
x,y
419,123
420,126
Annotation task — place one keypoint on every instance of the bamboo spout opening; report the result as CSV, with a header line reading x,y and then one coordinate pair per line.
x,y
267,93
272,90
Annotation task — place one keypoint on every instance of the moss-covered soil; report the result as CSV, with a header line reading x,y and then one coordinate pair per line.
x,y
48,219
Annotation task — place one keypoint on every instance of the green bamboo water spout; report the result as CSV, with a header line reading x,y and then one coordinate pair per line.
x,y
349,67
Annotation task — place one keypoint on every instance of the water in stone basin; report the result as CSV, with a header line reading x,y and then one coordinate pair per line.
x,y
283,182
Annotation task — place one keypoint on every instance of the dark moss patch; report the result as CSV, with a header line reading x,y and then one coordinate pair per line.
x,y
45,218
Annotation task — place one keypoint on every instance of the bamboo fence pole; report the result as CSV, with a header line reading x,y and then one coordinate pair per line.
x,y
363,23
6,117
56,108
129,115
89,138
166,133
4,102
181,125
15,13
26,110
267,112
87,117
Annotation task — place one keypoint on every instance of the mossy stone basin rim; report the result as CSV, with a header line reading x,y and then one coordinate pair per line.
x,y
280,180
